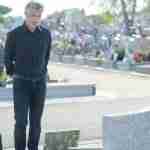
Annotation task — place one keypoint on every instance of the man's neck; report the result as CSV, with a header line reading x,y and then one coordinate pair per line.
x,y
30,28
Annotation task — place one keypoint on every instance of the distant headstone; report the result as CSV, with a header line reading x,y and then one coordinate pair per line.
x,y
61,140
145,68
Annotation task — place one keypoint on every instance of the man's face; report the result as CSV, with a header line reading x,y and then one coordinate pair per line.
x,y
33,17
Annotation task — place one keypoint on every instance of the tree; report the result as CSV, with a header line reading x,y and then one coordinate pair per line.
x,y
107,17
3,11
146,5
125,8
129,22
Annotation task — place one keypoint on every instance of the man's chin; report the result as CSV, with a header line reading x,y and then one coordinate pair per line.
x,y
34,26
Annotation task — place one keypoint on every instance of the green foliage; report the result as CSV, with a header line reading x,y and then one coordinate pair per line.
x,y
63,44
107,17
4,10
2,20
146,7
99,61
3,76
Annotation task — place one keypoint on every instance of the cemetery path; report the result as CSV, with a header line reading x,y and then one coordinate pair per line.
x,y
109,83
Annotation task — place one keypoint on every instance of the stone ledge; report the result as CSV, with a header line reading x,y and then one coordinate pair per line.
x,y
57,91
89,145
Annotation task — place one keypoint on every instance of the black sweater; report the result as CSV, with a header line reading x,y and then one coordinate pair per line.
x,y
27,53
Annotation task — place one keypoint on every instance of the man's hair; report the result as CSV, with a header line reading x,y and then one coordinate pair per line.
x,y
33,5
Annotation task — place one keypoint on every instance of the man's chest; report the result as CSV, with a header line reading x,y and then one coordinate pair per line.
x,y
33,43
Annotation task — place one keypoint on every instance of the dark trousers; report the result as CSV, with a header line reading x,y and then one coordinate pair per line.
x,y
29,98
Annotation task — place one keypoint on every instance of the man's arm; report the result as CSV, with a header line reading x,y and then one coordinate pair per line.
x,y
9,53
49,48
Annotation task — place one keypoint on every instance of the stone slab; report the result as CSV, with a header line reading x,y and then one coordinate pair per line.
x,y
57,90
127,131
145,68
94,144
61,140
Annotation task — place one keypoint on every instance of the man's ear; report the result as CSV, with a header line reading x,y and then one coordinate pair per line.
x,y
26,13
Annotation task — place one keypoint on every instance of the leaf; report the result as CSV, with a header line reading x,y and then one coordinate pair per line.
x,y
4,10
2,20
107,17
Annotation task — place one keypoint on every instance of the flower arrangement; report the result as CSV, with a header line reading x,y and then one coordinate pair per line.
x,y
138,56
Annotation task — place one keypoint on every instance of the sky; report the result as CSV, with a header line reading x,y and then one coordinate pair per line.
x,y
53,5
49,5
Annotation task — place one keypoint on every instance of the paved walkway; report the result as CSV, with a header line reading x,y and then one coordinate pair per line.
x,y
109,82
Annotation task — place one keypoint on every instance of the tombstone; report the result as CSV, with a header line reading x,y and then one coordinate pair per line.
x,y
67,59
128,131
79,60
123,66
143,68
92,61
61,140
55,58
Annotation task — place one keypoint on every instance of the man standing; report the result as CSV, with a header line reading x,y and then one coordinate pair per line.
x,y
2,73
27,53
1,57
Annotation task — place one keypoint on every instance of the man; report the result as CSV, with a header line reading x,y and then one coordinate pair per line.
x,y
27,53
2,73
1,57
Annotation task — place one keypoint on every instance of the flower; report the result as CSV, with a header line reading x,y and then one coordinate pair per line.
x,y
138,56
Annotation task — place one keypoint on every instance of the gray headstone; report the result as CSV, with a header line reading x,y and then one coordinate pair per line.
x,y
129,131
68,59
61,140
79,60
145,68
92,62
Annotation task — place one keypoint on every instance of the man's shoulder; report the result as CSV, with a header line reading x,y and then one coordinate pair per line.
x,y
45,29
15,30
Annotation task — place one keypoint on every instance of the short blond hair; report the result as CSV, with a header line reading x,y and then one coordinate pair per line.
x,y
33,5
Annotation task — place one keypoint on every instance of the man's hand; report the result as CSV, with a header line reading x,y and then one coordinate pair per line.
x,y
10,69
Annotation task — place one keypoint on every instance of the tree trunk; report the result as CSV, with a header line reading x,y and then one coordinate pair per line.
x,y
133,11
125,15
129,22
